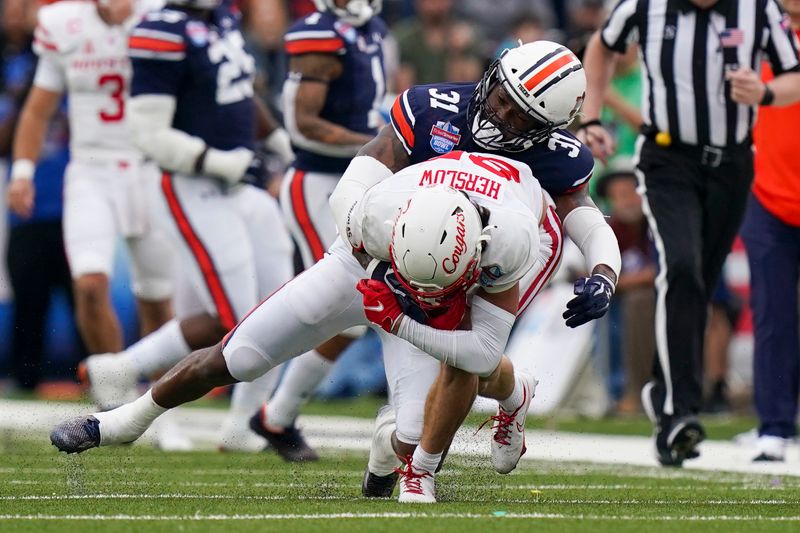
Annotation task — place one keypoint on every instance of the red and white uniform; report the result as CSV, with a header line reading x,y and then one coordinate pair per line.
x,y
525,246
107,182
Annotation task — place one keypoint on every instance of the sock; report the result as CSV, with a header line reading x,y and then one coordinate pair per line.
x,y
248,397
159,351
423,460
299,381
517,395
127,422
382,457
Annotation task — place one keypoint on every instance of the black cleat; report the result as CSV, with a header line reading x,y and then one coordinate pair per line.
x,y
763,457
289,443
676,438
375,486
76,435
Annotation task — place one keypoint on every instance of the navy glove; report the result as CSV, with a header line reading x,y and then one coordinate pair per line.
x,y
257,172
592,298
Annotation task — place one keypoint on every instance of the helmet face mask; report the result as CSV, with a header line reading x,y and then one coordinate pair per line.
x,y
354,12
436,246
544,81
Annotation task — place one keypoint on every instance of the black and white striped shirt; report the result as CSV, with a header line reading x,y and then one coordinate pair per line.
x,y
685,52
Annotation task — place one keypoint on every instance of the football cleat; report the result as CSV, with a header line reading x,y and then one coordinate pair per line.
x,y
375,486
416,486
236,436
508,431
676,438
76,435
770,448
288,442
110,379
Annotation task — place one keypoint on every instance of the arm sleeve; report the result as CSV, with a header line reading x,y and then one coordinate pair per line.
x,y
50,74
617,31
782,44
477,351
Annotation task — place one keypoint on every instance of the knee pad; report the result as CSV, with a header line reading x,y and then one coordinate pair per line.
x,y
245,362
410,416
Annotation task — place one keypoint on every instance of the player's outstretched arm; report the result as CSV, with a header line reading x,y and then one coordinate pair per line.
x,y
587,228
39,108
477,350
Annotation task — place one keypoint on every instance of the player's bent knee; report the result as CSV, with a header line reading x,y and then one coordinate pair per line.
x,y
409,419
245,362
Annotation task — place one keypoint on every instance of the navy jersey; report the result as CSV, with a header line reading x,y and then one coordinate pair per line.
x,y
204,65
431,120
353,98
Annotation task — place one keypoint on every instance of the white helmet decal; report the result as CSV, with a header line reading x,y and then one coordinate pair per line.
x,y
544,79
436,245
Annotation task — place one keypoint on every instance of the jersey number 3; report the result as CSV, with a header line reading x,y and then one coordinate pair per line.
x,y
116,85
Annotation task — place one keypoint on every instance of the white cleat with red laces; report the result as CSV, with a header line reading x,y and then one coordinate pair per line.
x,y
508,431
416,486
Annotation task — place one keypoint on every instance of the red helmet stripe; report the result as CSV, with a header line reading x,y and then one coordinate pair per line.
x,y
549,69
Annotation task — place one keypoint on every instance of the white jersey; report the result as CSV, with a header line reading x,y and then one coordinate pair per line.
x,y
83,56
507,188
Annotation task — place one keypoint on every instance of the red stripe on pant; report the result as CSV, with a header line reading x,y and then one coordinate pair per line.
x,y
552,225
224,308
303,218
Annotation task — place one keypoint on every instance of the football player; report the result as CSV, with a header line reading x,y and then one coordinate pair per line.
x,y
192,111
519,110
82,49
485,229
331,96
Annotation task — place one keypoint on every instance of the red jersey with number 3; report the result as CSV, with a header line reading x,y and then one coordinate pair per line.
x,y
777,161
82,56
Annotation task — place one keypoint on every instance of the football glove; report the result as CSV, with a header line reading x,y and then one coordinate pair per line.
x,y
380,304
592,298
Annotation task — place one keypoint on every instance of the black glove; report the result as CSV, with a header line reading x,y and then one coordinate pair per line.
x,y
592,298
383,272
257,173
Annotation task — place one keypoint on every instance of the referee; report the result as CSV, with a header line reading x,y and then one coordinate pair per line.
x,y
695,165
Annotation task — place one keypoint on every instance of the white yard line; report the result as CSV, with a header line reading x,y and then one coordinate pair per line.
x,y
494,516
344,433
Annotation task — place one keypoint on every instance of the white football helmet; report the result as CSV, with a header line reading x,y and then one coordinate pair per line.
x,y
205,5
355,12
545,79
436,244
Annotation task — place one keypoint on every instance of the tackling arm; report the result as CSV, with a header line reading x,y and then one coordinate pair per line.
x,y
376,161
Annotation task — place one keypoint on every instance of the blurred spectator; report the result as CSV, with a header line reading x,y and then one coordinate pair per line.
x,y
771,233
495,19
36,259
726,308
527,28
435,47
621,113
635,290
585,16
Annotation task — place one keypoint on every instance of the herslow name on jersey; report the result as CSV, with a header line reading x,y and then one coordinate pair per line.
x,y
203,63
431,120
505,187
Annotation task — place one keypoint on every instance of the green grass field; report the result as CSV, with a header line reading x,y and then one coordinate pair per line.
x,y
140,489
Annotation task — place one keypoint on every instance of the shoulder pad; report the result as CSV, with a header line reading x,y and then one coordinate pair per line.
x,y
60,26
317,33
160,35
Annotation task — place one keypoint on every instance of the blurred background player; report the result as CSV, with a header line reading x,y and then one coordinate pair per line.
x,y
331,97
771,232
192,111
82,48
